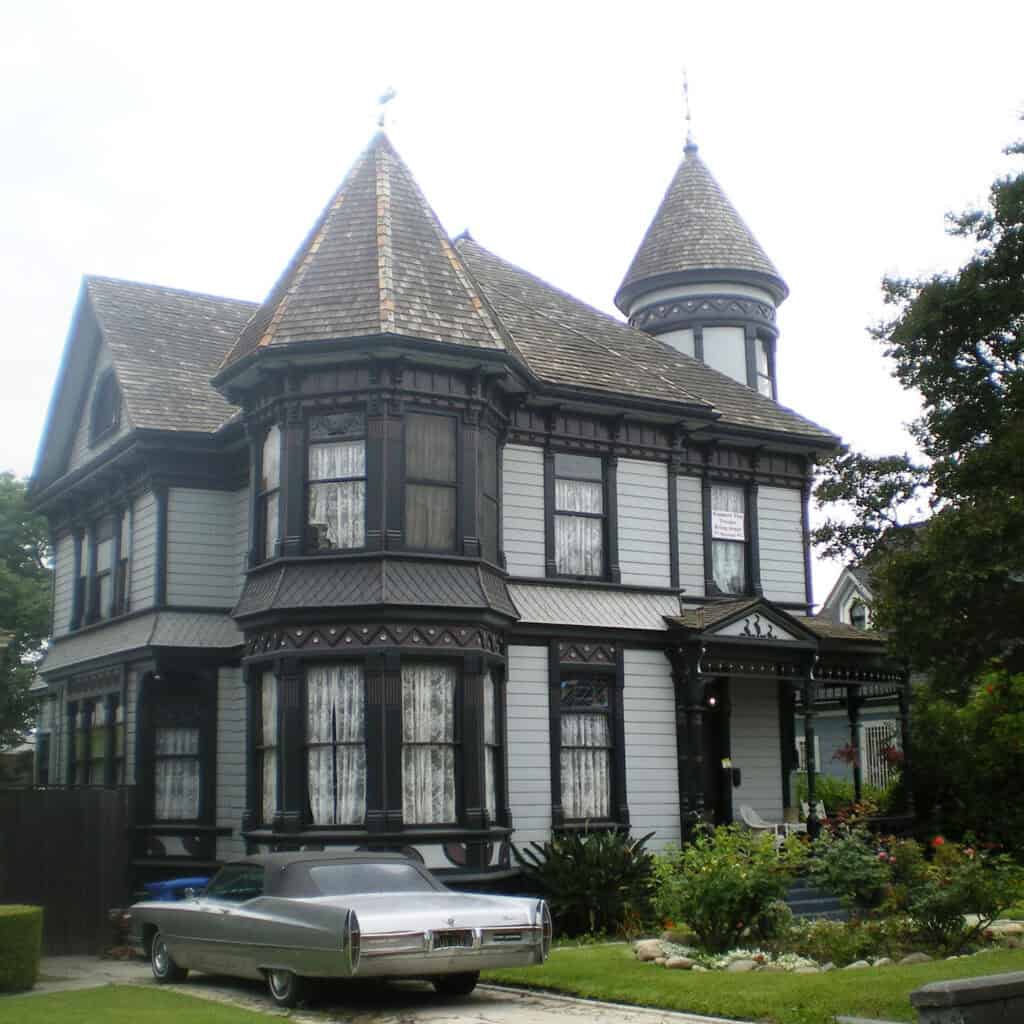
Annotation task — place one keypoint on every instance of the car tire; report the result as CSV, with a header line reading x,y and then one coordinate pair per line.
x,y
285,987
455,984
165,970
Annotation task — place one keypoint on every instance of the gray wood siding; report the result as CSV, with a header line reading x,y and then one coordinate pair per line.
x,y
529,744
756,747
652,774
522,509
230,760
782,543
143,567
201,548
63,583
81,453
643,523
691,535
241,538
131,702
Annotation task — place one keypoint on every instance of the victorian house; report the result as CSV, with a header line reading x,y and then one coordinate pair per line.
x,y
423,553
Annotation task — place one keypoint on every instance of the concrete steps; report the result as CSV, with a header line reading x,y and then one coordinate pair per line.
x,y
810,903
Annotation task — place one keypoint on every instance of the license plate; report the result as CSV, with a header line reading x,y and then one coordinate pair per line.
x,y
453,940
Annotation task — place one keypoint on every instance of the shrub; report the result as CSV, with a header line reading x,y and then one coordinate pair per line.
x,y
773,922
852,866
959,881
21,936
723,882
594,882
843,942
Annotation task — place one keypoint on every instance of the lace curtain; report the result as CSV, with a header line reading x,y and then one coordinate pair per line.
x,y
490,746
578,538
270,482
336,737
337,509
268,741
428,743
728,532
176,771
586,765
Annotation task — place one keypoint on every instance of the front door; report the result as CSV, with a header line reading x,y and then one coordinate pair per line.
x,y
715,745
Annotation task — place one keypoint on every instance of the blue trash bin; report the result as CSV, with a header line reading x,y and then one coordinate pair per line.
x,y
174,888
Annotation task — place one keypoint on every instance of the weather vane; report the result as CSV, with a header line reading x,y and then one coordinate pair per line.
x,y
686,103
382,101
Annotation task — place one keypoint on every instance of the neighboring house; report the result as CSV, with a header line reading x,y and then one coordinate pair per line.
x,y
424,553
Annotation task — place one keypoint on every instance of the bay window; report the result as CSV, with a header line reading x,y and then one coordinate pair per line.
x,y
762,366
729,538
492,747
336,743
176,774
579,512
487,474
269,492
431,481
336,496
428,743
102,600
585,747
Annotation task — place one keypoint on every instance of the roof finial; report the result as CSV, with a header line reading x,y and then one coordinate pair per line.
x,y
382,101
691,146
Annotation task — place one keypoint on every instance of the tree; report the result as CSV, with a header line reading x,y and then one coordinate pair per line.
x,y
24,604
952,600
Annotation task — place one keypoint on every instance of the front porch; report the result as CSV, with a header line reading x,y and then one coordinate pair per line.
x,y
742,671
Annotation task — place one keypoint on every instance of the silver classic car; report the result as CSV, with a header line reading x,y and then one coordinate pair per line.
x,y
288,917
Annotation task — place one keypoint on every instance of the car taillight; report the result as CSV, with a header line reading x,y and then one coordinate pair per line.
x,y
542,917
351,941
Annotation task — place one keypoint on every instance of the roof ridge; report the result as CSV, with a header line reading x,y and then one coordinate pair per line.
x,y
385,248
90,279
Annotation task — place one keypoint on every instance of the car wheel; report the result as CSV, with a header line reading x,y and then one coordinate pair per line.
x,y
165,970
286,988
455,984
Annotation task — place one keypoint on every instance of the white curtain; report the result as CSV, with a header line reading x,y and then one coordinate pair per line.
x,y
728,564
270,525
490,746
268,740
336,510
579,539
428,743
336,734
176,770
586,764
271,462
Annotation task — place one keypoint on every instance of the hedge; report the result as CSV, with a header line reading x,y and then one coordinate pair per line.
x,y
21,936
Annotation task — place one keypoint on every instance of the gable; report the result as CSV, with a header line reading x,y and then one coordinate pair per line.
x,y
84,447
759,622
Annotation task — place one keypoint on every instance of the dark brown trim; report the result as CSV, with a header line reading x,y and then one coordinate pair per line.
x,y
673,523
160,493
555,733
753,541
620,800
611,491
549,513
805,531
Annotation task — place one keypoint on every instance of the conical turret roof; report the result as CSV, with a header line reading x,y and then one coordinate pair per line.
x,y
377,261
696,233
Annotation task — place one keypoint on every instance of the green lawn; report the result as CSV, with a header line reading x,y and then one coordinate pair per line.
x,y
120,1004
612,972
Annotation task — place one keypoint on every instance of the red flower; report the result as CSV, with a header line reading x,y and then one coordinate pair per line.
x,y
938,841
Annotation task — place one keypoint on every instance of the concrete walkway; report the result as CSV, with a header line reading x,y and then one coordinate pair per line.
x,y
365,1003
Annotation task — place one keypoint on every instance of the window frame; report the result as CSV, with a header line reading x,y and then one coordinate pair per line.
x,y
84,764
611,676
343,435
105,408
260,747
263,495
749,526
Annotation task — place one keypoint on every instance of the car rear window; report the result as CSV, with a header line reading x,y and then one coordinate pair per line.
x,y
347,879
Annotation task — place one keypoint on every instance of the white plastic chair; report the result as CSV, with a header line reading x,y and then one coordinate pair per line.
x,y
819,810
756,823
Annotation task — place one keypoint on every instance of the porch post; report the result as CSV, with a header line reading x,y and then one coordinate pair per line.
x,y
694,744
809,693
685,680
903,699
853,705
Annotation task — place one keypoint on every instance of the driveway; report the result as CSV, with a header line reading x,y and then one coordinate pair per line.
x,y
401,1003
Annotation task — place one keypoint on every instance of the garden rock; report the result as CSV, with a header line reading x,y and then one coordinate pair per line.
x,y
825,968
648,949
883,961
661,961
915,958
698,969
742,966
680,963
856,965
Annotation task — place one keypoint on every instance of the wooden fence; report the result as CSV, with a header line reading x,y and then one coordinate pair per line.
x,y
68,851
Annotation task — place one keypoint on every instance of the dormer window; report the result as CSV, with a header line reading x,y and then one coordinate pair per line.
x,y
859,614
105,416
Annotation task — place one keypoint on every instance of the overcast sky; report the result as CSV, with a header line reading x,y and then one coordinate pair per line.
x,y
192,145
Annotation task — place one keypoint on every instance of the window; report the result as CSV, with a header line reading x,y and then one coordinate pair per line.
x,y
270,491
103,581
859,614
762,357
729,538
336,496
237,883
431,482
121,577
801,753
98,727
586,747
428,743
579,515
725,350
336,743
42,759
492,747
176,774
105,416
266,748
81,581
487,471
